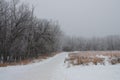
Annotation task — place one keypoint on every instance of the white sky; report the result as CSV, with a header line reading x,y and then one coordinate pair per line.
x,y
86,18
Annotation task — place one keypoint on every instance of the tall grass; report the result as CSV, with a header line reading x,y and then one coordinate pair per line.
x,y
95,57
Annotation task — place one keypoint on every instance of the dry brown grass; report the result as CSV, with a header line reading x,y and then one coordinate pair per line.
x,y
86,57
23,62
28,61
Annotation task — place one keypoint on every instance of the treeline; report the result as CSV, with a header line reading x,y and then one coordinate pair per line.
x,y
98,44
24,36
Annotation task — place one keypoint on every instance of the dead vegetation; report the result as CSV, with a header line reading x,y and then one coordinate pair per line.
x,y
28,61
22,62
94,57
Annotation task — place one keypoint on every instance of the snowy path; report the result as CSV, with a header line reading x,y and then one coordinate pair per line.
x,y
38,71
54,69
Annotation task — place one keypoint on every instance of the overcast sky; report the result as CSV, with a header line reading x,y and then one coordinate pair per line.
x,y
85,18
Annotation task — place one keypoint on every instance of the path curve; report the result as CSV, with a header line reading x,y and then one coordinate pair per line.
x,y
45,70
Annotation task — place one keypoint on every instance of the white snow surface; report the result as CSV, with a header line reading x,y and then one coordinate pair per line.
x,y
55,69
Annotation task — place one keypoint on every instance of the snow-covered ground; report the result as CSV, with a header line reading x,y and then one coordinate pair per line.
x,y
99,72
55,69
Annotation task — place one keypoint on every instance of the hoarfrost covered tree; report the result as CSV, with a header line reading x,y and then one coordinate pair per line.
x,y
22,35
97,44
4,33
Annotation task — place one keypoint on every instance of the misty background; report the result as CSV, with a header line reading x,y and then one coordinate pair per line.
x,y
86,18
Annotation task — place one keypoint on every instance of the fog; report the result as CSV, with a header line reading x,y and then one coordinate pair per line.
x,y
86,18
